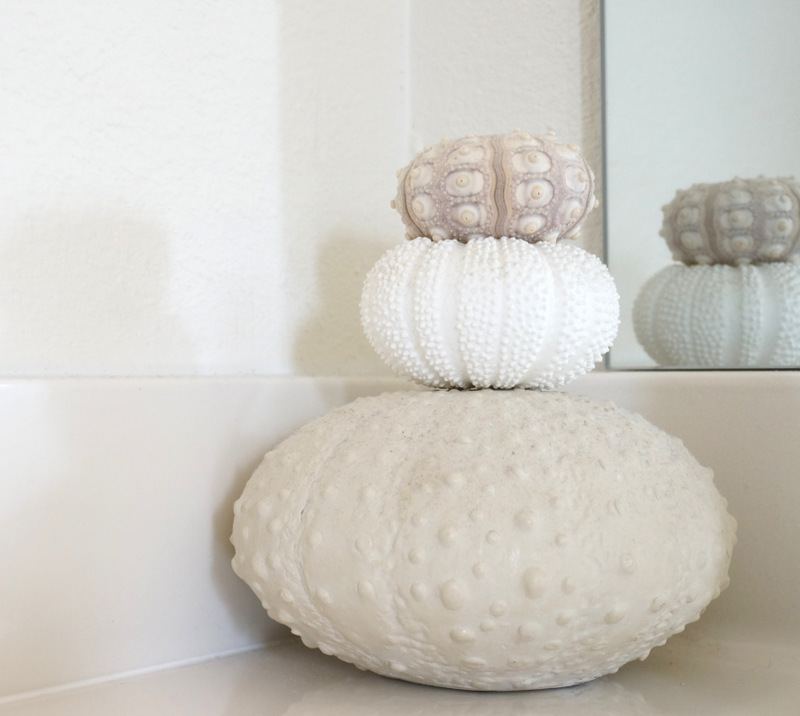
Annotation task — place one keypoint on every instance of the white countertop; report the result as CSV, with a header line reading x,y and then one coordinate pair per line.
x,y
684,677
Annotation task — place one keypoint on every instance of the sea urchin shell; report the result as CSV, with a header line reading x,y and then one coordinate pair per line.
x,y
721,316
489,313
516,185
736,222
504,540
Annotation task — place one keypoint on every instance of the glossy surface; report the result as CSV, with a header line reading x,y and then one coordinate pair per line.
x,y
683,677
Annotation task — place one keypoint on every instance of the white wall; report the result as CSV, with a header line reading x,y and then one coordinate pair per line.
x,y
199,187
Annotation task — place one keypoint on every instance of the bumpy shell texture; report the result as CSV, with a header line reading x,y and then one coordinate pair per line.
x,y
497,540
736,222
529,187
721,316
490,313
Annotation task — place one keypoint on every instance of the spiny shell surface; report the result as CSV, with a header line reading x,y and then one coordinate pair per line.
x,y
491,313
487,540
530,187
721,316
736,222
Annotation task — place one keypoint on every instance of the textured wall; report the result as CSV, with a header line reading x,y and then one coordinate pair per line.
x,y
199,187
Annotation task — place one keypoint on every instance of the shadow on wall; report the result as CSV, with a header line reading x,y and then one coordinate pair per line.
x,y
592,120
85,293
343,132
332,335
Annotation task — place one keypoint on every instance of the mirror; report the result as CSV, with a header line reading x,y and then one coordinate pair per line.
x,y
703,92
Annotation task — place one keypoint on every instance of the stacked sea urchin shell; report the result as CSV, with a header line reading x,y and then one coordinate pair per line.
x,y
521,310
733,301
501,539
533,188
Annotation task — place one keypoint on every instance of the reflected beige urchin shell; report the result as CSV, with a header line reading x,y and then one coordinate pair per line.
x,y
736,222
496,540
518,185
489,313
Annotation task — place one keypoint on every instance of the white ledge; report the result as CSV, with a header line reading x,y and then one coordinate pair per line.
x,y
686,676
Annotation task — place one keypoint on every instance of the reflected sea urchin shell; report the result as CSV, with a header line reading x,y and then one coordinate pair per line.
x,y
489,313
721,316
736,222
517,185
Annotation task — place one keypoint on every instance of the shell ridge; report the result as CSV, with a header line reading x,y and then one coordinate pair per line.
x,y
712,226
570,312
500,260
535,304
750,334
645,308
502,182
436,299
472,306
540,369
386,315
786,344
416,309
292,569
774,289
518,335
673,324
702,347
420,313
298,549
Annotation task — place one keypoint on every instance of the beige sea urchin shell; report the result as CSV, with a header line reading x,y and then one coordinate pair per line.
x,y
499,540
518,185
735,222
721,316
489,313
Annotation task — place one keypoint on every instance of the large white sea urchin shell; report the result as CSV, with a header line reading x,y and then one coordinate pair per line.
x,y
489,313
499,540
721,316
529,187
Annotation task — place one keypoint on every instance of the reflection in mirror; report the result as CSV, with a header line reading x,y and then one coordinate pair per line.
x,y
701,105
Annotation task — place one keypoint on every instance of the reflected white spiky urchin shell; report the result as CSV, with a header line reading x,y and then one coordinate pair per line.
x,y
496,540
721,316
489,313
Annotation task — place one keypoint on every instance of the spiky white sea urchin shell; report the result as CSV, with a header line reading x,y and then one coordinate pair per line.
x,y
501,539
735,222
721,316
490,313
528,187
